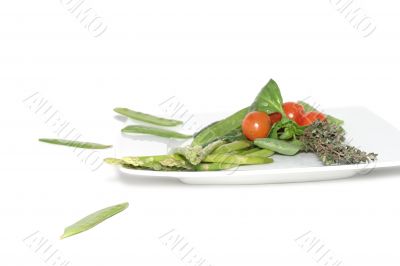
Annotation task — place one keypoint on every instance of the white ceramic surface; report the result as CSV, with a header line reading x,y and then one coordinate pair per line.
x,y
362,127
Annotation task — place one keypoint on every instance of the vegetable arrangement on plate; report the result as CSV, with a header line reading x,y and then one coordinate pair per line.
x,y
250,136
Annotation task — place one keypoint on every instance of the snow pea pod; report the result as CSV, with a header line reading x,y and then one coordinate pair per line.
x,y
93,219
76,144
236,159
280,146
155,131
147,117
218,129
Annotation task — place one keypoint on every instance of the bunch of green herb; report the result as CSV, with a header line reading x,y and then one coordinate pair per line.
x,y
327,141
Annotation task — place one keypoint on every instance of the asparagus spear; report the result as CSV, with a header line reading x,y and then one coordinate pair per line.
x,y
155,131
147,117
214,166
195,154
157,162
245,152
260,153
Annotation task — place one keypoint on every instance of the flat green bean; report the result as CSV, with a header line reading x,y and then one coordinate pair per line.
x,y
93,219
155,131
280,146
76,144
147,117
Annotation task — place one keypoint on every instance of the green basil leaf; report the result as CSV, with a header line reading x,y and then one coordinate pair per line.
x,y
269,99
218,130
286,129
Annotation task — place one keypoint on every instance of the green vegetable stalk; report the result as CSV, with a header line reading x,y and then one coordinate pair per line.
x,y
196,154
236,159
331,120
260,153
214,166
233,146
219,129
247,151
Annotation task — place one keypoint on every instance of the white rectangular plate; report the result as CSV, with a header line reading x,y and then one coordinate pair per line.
x,y
362,126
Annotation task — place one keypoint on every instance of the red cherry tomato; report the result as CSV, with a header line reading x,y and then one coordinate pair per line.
x,y
293,111
310,117
275,117
256,125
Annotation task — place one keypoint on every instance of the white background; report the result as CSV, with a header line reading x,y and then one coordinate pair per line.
x,y
213,56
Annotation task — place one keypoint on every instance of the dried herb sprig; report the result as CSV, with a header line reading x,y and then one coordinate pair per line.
x,y
328,142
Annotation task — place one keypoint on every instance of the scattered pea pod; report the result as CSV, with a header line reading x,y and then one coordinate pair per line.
x,y
147,117
155,131
76,144
93,219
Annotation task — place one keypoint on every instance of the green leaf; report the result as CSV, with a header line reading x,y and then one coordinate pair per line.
x,y
147,117
331,119
74,143
93,219
218,130
280,146
286,129
269,99
155,131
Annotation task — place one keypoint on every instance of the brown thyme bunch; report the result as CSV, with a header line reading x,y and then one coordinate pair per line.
x,y
327,142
